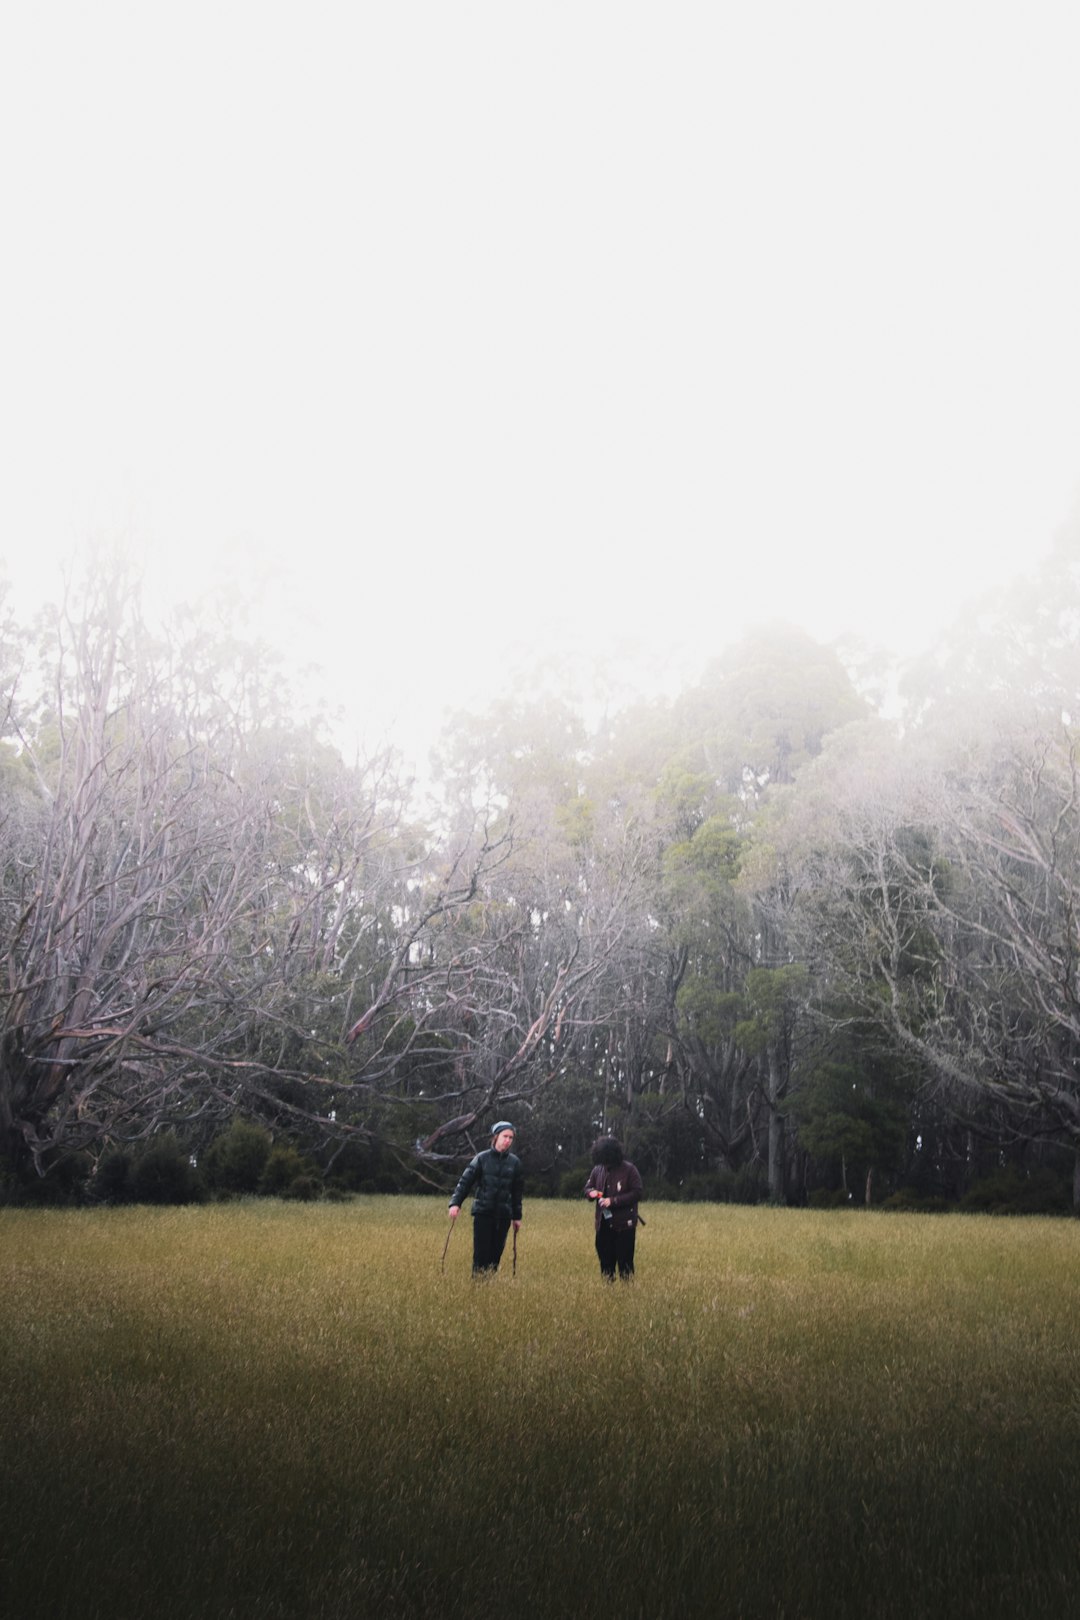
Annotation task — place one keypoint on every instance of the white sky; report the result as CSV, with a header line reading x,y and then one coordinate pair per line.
x,y
451,326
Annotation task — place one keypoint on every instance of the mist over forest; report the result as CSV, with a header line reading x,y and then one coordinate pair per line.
x,y
804,930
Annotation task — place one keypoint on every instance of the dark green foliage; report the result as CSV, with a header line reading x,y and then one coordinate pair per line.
x,y
561,1129
283,1166
663,1139
909,1200
572,1182
63,1184
368,1167
828,1198
163,1174
112,1179
234,1162
773,997
304,1188
1012,1192
853,1121
746,1185
352,1166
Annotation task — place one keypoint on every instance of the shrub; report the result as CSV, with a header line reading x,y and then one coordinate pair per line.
x,y
1010,1192
829,1198
164,1174
383,1182
64,1182
306,1188
906,1198
235,1160
747,1185
545,1187
112,1179
705,1187
281,1169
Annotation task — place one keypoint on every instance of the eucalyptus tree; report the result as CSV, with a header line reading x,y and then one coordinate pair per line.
x,y
142,929
516,982
1008,925
706,930
1015,647
939,872
849,1119
764,708
741,988
195,889
995,712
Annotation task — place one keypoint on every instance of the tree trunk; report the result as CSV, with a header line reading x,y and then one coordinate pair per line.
x,y
1076,1180
777,1133
869,1185
776,1157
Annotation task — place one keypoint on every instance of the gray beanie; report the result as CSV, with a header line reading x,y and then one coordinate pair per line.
x,y
502,1125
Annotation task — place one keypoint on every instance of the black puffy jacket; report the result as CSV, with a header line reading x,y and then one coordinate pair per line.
x,y
496,1181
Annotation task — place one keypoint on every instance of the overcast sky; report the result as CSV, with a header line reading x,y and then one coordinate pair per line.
x,y
453,326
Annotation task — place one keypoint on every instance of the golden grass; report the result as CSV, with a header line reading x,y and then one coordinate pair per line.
x,y
262,1410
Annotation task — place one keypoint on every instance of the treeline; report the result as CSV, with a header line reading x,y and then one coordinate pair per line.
x,y
807,932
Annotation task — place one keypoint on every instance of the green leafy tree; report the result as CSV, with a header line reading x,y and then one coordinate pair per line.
x,y
774,1004
853,1123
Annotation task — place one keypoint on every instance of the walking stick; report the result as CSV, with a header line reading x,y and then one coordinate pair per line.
x,y
446,1245
513,1268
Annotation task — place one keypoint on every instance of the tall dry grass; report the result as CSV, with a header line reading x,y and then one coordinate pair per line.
x,y
264,1410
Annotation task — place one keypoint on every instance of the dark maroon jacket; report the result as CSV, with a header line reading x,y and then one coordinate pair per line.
x,y
622,1184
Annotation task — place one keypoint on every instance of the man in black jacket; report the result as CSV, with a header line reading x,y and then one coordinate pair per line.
x,y
495,1178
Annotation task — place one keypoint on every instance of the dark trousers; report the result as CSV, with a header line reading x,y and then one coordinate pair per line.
x,y
489,1240
615,1248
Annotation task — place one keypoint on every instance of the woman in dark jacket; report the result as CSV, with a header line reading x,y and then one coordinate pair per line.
x,y
615,1187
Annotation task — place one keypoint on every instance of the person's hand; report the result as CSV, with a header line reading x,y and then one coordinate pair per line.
x,y
594,1192
455,1211
605,1203
517,1226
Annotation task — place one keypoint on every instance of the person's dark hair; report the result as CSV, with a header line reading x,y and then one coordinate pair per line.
x,y
607,1151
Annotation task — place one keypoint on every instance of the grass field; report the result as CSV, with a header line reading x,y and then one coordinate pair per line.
x,y
267,1410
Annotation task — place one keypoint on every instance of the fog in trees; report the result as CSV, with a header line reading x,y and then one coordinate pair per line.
x,y
804,930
